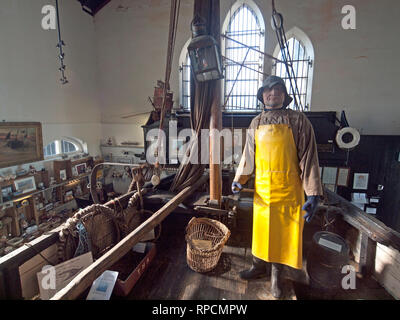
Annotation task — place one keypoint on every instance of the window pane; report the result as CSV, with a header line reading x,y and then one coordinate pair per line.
x,y
186,83
67,147
299,74
242,82
50,149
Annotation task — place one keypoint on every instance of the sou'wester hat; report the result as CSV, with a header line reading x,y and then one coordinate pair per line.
x,y
268,83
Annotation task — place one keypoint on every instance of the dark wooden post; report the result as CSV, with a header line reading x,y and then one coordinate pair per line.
x,y
367,255
209,10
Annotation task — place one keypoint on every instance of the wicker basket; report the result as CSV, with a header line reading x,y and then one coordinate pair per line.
x,y
213,232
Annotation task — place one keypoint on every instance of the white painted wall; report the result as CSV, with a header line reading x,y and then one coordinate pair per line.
x,y
29,77
114,60
131,132
355,70
131,51
349,68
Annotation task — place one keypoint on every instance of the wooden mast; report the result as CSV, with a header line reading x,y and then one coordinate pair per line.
x,y
209,10
216,118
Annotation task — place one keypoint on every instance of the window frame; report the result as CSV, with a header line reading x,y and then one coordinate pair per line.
x,y
59,149
182,61
56,148
304,40
231,14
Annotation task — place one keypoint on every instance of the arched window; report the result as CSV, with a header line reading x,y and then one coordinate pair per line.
x,y
184,76
50,150
68,147
243,66
63,146
302,55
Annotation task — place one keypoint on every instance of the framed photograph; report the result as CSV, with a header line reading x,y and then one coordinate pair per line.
x,y
63,174
6,193
20,142
343,177
80,168
99,174
360,181
359,197
329,175
370,210
25,185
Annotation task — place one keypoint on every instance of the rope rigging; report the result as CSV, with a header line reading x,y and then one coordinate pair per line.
x,y
277,25
173,26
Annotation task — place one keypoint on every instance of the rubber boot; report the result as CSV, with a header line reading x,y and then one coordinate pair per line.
x,y
257,270
276,280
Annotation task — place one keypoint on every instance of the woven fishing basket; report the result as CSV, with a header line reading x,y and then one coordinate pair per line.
x,y
211,232
102,230
129,218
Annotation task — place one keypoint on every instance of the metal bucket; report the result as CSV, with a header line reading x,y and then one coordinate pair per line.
x,y
328,254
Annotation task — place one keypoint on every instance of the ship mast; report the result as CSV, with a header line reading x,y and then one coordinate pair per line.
x,y
209,10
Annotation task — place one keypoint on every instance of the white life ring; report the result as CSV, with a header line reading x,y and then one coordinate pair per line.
x,y
347,145
155,180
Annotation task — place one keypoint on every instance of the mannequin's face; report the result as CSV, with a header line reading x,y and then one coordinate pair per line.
x,y
274,97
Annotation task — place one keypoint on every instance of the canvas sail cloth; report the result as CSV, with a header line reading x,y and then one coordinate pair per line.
x,y
202,95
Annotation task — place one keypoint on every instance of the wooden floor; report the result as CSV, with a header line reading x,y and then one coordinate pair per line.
x,y
169,277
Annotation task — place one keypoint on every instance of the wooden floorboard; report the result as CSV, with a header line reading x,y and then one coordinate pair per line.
x,y
169,277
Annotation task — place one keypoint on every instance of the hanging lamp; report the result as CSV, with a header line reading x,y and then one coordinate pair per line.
x,y
204,53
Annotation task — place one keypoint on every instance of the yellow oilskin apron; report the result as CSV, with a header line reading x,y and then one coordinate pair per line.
x,y
277,215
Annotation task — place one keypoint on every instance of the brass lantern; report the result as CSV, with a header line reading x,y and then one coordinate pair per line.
x,y
204,53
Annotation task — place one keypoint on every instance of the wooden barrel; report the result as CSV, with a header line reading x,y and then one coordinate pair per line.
x,y
328,254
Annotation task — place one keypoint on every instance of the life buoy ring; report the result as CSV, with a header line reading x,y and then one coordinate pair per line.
x,y
347,145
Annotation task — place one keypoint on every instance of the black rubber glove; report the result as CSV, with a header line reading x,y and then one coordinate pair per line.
x,y
310,206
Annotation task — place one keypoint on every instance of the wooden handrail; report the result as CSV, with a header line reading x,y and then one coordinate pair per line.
x,y
367,224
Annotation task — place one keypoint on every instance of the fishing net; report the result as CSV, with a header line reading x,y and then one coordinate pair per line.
x,y
97,228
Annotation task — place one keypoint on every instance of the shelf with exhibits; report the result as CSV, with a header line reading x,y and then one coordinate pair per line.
x,y
9,202
30,204
26,217
26,220
23,182
126,146
69,168
123,153
14,187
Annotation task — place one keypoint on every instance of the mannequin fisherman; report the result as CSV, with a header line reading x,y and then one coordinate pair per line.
x,y
281,149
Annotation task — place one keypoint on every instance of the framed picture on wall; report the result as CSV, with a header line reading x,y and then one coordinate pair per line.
x,y
343,177
6,193
25,185
329,175
80,168
63,175
20,142
360,181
